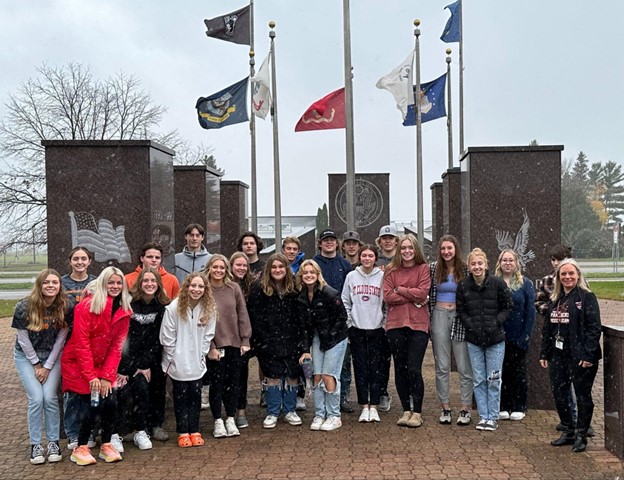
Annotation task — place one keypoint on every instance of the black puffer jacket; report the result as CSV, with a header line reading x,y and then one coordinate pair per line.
x,y
277,330
483,309
325,315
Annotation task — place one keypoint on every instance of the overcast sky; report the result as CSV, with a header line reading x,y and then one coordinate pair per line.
x,y
550,71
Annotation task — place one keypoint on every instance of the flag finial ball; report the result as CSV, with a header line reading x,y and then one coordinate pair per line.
x,y
271,24
252,53
448,51
416,22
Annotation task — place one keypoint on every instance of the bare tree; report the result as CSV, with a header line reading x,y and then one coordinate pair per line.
x,y
66,103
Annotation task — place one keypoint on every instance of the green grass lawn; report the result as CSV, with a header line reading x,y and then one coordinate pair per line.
x,y
7,307
605,275
16,286
608,290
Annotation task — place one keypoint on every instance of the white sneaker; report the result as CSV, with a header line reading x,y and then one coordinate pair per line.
x,y
373,416
365,415
230,427
504,415
92,442
270,421
331,423
72,443
293,419
205,399
516,416
301,406
116,443
316,423
219,429
142,440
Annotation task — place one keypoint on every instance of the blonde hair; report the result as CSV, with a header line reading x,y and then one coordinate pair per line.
x,y
208,304
227,280
320,281
476,252
582,283
268,285
37,307
100,293
516,277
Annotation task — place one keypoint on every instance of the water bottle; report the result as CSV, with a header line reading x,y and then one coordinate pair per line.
x,y
95,398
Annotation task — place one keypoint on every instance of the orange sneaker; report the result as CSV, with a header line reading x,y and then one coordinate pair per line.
x,y
108,453
82,456
184,440
196,439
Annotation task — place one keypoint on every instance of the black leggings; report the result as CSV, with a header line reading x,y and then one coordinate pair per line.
x,y
408,350
148,399
367,351
224,377
105,412
187,404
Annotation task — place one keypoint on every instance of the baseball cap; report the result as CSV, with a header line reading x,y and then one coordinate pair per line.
x,y
351,235
328,233
388,230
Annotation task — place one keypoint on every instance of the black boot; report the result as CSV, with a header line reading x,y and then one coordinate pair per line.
x,y
580,443
566,438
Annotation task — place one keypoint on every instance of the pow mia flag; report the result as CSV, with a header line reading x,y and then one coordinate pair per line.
x,y
233,27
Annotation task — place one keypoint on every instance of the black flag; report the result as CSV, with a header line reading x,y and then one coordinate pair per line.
x,y
232,27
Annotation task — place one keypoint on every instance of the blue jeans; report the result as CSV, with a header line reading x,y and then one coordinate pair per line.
x,y
327,404
75,410
41,398
487,366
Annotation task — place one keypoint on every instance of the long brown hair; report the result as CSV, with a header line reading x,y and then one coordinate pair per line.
x,y
160,295
209,306
397,260
37,307
458,264
268,285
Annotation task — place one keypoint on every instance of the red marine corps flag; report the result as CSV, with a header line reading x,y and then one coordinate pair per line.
x,y
324,114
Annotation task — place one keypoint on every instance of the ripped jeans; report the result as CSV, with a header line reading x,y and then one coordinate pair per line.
x,y
327,404
487,369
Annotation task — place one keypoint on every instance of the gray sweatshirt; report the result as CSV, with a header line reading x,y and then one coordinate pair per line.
x,y
362,296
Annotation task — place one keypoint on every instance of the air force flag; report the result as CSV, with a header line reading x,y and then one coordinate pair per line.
x,y
227,107
431,102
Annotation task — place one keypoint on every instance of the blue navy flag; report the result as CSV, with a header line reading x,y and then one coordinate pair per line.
x,y
431,102
451,30
227,107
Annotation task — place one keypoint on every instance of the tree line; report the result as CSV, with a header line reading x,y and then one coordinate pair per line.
x,y
592,202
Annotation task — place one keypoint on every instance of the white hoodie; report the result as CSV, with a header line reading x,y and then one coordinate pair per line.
x,y
362,296
185,343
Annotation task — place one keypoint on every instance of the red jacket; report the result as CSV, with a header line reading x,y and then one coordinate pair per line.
x,y
170,282
94,349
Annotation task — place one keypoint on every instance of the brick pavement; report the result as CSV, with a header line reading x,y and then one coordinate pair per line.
x,y
518,450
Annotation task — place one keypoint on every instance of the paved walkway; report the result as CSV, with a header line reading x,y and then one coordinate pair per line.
x,y
518,450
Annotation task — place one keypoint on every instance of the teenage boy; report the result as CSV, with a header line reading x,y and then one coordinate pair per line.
x,y
351,247
251,244
151,256
194,256
291,248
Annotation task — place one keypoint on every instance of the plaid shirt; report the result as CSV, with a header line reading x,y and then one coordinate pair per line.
x,y
458,331
543,294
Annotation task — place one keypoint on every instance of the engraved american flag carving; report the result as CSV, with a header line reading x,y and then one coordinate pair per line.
x,y
106,242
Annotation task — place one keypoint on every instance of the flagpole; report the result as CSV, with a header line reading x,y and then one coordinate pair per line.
x,y
276,167
252,127
461,79
449,116
349,137
419,173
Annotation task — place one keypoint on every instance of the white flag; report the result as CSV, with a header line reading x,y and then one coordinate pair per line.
x,y
261,96
399,82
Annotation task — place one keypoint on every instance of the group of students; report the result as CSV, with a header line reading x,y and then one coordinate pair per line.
x,y
101,336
